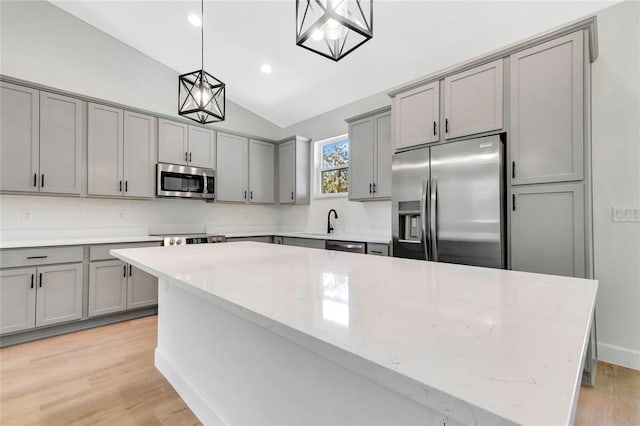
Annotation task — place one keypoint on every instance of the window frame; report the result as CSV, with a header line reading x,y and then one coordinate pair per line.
x,y
318,169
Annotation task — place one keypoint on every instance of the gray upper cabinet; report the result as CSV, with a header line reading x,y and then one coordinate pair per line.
x,y
41,141
121,152
60,144
547,229
416,116
184,144
546,136
139,155
172,142
59,294
261,172
202,147
473,100
17,299
19,138
105,150
370,156
293,170
232,169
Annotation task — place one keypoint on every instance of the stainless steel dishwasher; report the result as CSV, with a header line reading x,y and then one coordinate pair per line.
x,y
350,246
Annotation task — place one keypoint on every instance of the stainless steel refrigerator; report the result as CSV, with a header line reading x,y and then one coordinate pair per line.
x,y
448,203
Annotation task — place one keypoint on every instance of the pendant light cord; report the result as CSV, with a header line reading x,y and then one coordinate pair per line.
x,y
202,34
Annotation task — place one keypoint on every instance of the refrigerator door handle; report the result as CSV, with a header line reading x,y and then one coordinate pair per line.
x,y
424,222
433,219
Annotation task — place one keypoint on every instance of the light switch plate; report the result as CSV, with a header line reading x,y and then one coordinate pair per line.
x,y
625,214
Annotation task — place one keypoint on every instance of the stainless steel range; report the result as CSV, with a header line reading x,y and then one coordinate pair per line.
x,y
181,239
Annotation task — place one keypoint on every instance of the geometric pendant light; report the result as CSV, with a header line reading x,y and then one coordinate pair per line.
x,y
201,96
333,28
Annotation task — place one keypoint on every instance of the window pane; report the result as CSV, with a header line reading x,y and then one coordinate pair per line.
x,y
335,154
334,181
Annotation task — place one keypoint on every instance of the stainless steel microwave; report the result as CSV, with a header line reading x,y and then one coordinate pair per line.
x,y
185,182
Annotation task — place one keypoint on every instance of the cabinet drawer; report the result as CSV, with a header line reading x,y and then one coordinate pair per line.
x,y
378,249
101,251
40,256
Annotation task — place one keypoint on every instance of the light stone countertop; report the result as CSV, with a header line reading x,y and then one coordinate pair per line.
x,y
504,342
77,241
351,236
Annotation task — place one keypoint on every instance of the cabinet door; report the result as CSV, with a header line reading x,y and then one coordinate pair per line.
x,y
172,142
361,147
107,287
416,115
59,294
383,155
139,155
262,171
17,299
105,150
547,229
473,101
547,113
142,289
202,147
19,138
231,168
286,172
60,144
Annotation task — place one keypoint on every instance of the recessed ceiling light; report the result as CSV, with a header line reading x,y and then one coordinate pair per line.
x,y
266,68
194,20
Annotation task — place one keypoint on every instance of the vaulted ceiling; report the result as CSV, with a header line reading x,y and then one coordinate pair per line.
x,y
411,39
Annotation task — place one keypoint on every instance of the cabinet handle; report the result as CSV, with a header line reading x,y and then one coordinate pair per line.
x,y
120,186
292,195
126,185
513,169
251,195
446,125
31,280
124,272
375,252
513,202
186,156
434,128
190,156
374,187
245,194
40,279
370,188
42,181
130,270
35,179
36,257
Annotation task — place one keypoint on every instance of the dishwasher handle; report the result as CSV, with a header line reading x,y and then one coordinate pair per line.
x,y
345,246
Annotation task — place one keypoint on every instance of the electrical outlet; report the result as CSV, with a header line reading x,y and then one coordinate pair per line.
x,y
27,215
121,214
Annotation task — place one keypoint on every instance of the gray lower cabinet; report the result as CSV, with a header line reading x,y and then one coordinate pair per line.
x,y
39,296
107,287
378,249
303,242
547,113
547,229
370,156
258,239
293,170
121,152
142,289
41,140
473,100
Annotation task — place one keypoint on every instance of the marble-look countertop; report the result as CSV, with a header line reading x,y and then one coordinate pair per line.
x,y
351,236
510,343
77,241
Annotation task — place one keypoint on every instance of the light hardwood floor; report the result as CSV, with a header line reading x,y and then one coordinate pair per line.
x,y
106,376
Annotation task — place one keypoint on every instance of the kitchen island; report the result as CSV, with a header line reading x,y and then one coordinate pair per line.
x,y
252,333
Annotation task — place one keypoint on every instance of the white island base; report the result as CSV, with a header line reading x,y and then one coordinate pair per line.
x,y
236,368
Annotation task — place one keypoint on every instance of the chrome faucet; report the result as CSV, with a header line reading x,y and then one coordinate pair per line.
x,y
329,226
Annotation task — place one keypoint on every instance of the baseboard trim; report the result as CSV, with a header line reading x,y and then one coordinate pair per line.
x,y
619,356
194,399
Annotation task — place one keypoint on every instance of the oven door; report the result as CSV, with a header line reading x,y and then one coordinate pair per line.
x,y
184,182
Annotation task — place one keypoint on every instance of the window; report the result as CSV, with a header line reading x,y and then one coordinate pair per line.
x,y
332,166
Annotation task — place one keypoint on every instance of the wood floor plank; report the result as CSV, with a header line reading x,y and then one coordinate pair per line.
x,y
106,376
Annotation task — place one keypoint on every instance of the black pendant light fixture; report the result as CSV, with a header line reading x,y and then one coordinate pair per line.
x,y
201,96
333,28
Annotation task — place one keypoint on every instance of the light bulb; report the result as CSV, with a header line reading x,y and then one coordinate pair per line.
x,y
317,35
194,20
333,30
203,95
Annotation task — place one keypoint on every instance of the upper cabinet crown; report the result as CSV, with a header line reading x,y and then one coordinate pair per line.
x,y
41,140
179,143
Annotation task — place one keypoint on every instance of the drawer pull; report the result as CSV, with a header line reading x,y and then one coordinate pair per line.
x,y
375,252
40,279
37,257
31,280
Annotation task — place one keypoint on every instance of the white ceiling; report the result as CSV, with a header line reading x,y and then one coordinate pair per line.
x,y
411,39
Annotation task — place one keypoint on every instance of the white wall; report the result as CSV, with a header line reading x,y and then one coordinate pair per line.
x,y
616,179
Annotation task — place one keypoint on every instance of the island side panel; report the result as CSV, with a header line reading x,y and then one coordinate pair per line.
x,y
233,371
